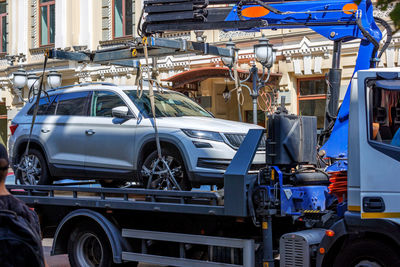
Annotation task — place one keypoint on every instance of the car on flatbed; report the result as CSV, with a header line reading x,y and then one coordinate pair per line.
x,y
106,132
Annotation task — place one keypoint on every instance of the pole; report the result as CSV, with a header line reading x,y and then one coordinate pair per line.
x,y
268,258
334,78
254,94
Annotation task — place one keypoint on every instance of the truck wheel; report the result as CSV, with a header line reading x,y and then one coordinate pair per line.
x,y
33,169
160,178
89,246
367,252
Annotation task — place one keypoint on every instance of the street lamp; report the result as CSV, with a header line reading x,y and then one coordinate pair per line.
x,y
264,54
54,79
19,79
33,83
19,82
230,61
226,94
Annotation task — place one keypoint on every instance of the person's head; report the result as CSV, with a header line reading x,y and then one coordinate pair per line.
x,y
4,163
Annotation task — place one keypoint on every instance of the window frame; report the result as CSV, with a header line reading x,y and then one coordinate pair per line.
x,y
1,29
308,97
48,4
387,149
92,102
123,20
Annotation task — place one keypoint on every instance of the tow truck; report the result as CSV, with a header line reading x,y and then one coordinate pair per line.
x,y
290,213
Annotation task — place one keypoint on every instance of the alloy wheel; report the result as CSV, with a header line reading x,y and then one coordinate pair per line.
x,y
31,170
163,174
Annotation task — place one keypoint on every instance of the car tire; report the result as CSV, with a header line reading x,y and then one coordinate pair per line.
x,y
367,252
176,162
37,169
88,245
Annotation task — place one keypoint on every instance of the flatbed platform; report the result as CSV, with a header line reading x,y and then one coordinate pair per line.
x,y
121,198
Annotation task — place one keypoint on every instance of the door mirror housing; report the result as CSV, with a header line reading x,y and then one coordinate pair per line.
x,y
121,112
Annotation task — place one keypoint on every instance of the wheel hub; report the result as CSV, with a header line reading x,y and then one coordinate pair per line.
x,y
89,250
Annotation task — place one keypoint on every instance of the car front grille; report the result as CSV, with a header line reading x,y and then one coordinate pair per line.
x,y
235,140
222,164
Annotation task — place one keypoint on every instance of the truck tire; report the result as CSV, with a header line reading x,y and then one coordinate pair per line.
x,y
367,252
176,162
89,246
36,172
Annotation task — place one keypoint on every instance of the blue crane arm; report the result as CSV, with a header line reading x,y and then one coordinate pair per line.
x,y
335,20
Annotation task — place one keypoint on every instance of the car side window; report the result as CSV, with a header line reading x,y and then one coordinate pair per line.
x,y
72,104
47,106
103,102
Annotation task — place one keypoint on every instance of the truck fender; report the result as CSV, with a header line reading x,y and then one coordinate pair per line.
x,y
327,242
69,222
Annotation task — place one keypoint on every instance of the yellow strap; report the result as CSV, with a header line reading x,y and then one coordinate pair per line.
x,y
151,96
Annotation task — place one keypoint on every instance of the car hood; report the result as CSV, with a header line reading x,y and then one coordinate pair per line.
x,y
206,124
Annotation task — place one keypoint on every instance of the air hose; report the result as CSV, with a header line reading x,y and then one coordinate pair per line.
x,y
389,34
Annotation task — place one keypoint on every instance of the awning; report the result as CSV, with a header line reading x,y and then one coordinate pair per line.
x,y
188,80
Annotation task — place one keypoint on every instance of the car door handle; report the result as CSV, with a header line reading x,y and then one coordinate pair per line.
x,y
90,132
45,130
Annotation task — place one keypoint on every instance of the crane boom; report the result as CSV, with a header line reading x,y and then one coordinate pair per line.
x,y
339,21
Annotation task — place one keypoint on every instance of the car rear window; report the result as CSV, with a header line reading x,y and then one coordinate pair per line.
x,y
68,104
47,106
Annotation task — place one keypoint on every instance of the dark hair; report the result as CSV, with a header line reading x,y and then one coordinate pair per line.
x,y
3,155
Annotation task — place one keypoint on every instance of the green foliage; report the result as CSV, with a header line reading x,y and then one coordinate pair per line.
x,y
394,14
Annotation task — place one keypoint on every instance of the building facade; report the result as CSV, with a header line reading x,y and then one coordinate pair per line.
x,y
29,27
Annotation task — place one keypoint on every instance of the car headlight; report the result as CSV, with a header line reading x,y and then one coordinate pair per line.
x,y
214,136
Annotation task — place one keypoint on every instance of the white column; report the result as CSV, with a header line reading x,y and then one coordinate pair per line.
x,y
13,28
61,33
86,22
307,64
318,64
23,32
296,66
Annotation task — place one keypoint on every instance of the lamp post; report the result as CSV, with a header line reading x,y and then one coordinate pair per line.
x,y
264,54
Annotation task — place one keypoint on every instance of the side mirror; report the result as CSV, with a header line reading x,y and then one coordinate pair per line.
x,y
120,112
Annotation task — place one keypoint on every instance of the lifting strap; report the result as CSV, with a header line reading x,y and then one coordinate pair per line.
x,y
153,110
151,96
46,55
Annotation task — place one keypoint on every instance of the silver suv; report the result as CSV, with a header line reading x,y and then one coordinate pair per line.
x,y
105,132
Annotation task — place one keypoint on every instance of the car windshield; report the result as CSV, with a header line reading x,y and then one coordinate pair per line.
x,y
167,104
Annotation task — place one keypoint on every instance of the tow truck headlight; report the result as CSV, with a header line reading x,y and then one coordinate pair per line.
x,y
214,136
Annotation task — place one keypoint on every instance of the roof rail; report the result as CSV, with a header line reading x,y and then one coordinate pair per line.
x,y
81,84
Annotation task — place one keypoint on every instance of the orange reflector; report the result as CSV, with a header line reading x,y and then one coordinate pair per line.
x,y
322,250
239,220
330,233
109,211
254,12
350,8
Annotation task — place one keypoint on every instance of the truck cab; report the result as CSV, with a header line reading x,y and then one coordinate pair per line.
x,y
369,232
